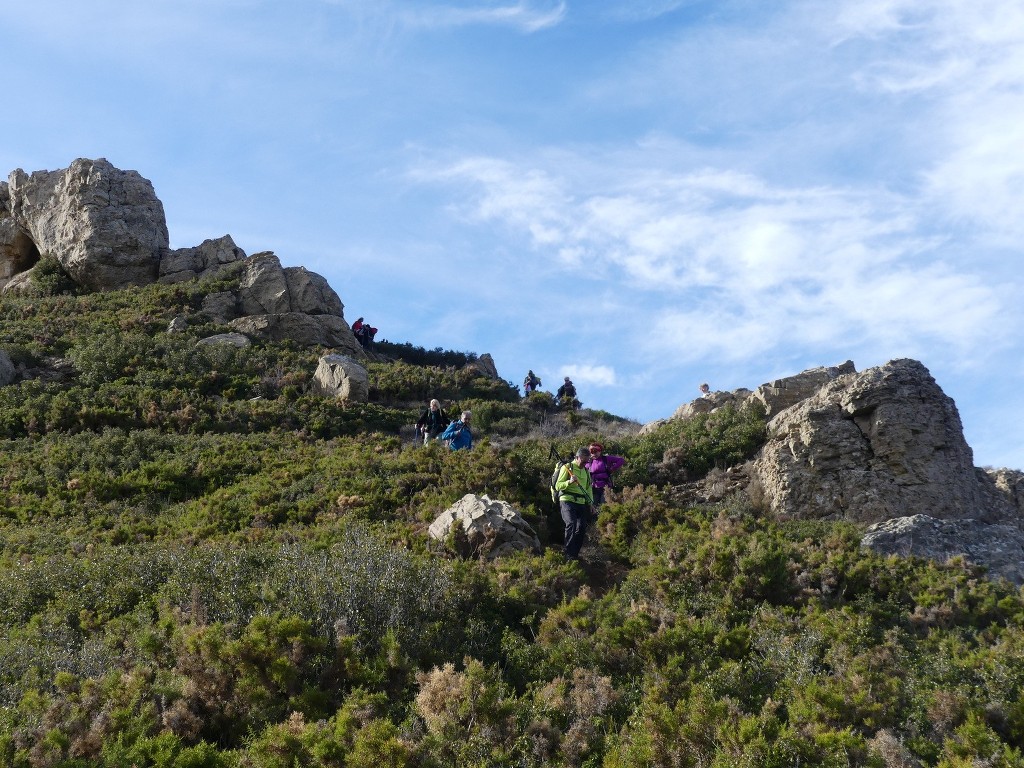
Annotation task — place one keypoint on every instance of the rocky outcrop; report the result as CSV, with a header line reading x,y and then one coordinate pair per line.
x,y
999,548
484,365
104,226
208,259
342,377
106,229
872,446
711,402
283,303
780,394
480,527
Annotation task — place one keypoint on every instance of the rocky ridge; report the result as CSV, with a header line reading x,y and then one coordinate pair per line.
x,y
883,447
106,229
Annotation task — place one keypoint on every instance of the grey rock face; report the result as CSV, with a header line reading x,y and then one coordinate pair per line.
x,y
997,547
310,293
207,259
220,307
291,303
485,528
230,339
485,366
308,330
104,226
778,395
1008,484
872,446
7,370
342,377
263,289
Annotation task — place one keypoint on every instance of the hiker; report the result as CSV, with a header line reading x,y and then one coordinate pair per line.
x,y
364,333
705,389
566,393
457,434
601,465
432,422
531,382
574,501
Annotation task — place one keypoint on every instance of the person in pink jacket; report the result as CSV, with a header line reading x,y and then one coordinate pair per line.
x,y
601,467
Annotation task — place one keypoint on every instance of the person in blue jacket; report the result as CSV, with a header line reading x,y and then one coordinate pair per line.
x,y
457,434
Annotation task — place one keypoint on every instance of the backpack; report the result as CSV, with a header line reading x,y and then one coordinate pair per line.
x,y
556,495
451,431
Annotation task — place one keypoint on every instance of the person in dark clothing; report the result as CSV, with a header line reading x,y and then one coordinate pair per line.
x,y
531,382
566,394
432,422
574,502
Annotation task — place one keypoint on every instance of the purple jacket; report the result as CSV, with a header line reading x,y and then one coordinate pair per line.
x,y
601,468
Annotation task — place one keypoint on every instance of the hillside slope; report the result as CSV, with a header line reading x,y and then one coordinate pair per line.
x,y
206,564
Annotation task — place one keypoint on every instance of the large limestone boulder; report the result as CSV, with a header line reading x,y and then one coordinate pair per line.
x,y
207,259
293,303
342,377
873,446
484,528
104,226
997,547
7,370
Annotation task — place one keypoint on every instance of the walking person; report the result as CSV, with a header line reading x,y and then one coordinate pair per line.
x,y
574,502
431,422
531,382
566,394
601,465
457,434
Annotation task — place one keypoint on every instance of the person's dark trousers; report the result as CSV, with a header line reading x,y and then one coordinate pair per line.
x,y
576,517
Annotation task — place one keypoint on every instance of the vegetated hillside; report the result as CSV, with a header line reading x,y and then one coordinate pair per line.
x,y
204,564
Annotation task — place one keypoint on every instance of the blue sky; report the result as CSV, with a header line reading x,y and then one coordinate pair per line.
x,y
643,195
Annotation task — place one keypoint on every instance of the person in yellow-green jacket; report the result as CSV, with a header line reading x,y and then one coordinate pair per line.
x,y
575,497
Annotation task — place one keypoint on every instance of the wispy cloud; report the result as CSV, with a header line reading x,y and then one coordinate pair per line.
x,y
757,266
524,15
643,10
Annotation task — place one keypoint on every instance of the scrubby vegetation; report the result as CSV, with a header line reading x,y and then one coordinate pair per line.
x,y
204,564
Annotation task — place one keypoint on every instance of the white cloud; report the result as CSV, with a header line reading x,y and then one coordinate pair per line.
x,y
593,375
757,267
